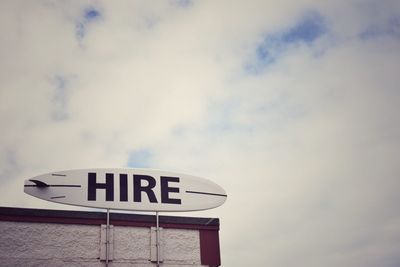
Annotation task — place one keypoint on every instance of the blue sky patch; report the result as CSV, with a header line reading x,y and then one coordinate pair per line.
x,y
391,27
182,3
306,31
140,159
80,30
60,98
264,54
90,15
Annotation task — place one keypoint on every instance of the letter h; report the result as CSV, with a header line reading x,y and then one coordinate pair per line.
x,y
93,186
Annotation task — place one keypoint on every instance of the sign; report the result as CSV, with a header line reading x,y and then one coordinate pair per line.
x,y
127,189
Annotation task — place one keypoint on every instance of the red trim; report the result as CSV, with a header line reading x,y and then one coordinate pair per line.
x,y
209,248
87,221
50,220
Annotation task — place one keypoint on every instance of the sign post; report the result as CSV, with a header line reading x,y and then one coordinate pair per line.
x,y
107,236
158,238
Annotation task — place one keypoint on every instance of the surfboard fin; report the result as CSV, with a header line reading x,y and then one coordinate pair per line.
x,y
39,183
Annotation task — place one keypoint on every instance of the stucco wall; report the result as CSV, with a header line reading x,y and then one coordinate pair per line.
x,y
52,244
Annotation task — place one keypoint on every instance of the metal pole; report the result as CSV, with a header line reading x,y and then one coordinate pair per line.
x,y
107,235
158,239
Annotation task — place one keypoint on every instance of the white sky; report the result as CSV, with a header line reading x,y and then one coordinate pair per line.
x,y
291,106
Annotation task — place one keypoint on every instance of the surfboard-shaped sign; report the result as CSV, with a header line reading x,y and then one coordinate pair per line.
x,y
127,189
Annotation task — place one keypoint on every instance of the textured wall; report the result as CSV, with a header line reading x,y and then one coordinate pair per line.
x,y
43,244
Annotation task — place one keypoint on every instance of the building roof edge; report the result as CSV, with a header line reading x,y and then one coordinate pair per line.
x,y
97,218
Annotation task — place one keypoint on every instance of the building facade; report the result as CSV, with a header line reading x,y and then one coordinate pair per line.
x,y
37,237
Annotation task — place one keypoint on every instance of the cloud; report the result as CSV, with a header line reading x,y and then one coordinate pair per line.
x,y
292,111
